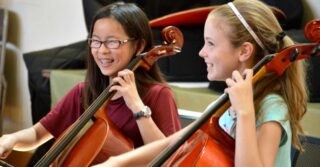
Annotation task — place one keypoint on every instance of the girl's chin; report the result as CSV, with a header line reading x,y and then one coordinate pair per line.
x,y
214,78
210,78
107,73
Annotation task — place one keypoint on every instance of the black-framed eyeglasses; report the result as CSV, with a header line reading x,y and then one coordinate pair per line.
x,y
110,43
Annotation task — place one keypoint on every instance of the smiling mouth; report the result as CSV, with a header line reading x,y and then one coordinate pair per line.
x,y
209,65
106,62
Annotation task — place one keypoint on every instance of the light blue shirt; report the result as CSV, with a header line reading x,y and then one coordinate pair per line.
x,y
272,108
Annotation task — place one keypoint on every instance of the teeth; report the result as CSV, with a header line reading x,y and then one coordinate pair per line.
x,y
104,61
209,65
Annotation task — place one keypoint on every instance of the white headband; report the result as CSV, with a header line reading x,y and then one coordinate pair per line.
x,y
246,25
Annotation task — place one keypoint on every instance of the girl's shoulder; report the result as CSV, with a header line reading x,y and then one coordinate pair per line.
x,y
80,85
158,87
273,107
159,90
271,100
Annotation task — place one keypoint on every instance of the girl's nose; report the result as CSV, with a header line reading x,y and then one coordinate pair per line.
x,y
202,52
104,48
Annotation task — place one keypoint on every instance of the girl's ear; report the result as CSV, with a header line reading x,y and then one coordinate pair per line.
x,y
143,44
246,51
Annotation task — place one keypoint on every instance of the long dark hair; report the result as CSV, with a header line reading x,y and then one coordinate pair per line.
x,y
136,25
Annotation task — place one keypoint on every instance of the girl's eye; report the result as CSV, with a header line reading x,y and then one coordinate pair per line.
x,y
95,42
209,43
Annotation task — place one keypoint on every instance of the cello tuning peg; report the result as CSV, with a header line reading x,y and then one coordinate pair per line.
x,y
315,51
294,54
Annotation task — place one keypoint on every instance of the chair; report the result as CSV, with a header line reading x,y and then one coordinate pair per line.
x,y
310,157
3,40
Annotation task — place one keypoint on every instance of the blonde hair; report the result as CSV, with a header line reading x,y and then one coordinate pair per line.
x,y
291,85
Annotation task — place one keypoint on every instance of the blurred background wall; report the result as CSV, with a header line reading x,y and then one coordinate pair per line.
x,y
35,25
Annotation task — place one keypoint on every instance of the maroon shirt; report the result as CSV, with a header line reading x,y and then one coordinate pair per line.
x,y
159,98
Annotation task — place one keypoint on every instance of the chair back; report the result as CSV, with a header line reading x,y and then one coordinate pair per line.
x,y
3,40
311,156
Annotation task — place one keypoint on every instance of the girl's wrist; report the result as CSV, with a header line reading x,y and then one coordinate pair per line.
x,y
137,108
14,137
245,114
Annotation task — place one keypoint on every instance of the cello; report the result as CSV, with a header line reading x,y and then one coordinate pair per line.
x,y
206,143
80,145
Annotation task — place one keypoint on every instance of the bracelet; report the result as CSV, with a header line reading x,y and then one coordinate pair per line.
x,y
145,112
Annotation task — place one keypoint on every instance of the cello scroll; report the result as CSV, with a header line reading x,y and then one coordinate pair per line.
x,y
173,42
312,30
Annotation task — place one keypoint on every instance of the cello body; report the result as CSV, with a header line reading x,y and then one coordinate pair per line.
x,y
200,146
103,136
208,145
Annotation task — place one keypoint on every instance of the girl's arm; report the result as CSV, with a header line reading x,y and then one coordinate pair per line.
x,y
143,155
126,88
253,147
256,148
24,140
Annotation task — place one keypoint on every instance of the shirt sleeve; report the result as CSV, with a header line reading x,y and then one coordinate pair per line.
x,y
67,111
164,110
273,108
